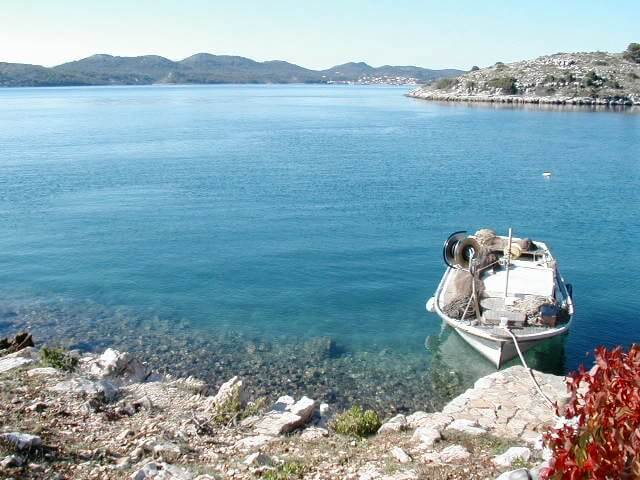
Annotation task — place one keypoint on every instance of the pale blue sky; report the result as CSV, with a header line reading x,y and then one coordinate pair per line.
x,y
315,34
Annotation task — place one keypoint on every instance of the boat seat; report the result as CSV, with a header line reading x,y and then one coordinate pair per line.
x,y
495,317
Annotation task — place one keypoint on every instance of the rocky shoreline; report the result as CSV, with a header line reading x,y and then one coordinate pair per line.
x,y
110,416
520,99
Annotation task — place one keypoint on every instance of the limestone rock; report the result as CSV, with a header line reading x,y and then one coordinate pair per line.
x,y
400,455
466,426
11,363
161,471
253,441
314,433
258,459
520,474
101,389
230,391
427,436
511,455
21,441
118,365
20,341
396,424
169,452
454,454
285,416
43,372
436,420
11,461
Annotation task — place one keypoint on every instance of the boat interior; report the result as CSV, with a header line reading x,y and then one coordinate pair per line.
x,y
496,281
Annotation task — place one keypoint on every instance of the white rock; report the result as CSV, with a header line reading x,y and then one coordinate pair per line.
x,y
427,436
11,363
535,471
285,416
324,409
396,424
369,472
400,455
254,441
161,471
169,452
434,420
11,461
314,433
85,387
511,455
118,365
258,459
228,391
466,426
454,454
520,474
21,441
44,371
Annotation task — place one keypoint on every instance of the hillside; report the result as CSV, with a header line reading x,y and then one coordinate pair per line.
x,y
204,68
594,78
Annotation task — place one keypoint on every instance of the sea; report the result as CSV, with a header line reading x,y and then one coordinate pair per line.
x,y
291,234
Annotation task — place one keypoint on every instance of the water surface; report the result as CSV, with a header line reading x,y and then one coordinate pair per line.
x,y
293,233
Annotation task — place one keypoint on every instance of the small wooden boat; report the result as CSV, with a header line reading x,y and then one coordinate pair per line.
x,y
502,294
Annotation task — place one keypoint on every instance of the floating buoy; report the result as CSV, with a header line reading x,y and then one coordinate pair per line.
x,y
546,174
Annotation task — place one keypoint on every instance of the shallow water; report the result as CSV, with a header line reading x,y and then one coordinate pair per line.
x,y
293,233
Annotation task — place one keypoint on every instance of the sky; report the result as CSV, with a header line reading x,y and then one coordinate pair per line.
x,y
315,34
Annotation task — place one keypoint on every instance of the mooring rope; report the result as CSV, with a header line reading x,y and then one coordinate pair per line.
x,y
533,378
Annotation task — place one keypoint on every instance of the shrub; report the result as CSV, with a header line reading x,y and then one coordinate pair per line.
x,y
507,84
446,83
604,441
632,53
356,422
58,358
286,471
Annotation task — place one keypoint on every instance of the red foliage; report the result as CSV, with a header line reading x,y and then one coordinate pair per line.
x,y
605,406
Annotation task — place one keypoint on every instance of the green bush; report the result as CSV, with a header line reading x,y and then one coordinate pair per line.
x,y
58,358
286,471
632,53
356,422
507,84
446,83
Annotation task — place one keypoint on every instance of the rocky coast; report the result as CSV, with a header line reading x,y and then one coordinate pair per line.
x,y
109,415
596,79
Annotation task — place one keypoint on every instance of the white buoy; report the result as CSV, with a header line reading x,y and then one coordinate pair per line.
x,y
546,174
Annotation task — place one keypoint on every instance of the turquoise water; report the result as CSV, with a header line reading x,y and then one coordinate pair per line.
x,y
299,225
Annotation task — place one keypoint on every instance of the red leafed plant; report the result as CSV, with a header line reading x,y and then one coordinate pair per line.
x,y
601,439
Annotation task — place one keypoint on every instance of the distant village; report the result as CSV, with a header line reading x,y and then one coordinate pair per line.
x,y
378,80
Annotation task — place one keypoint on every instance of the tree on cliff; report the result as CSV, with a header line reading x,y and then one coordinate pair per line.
x,y
632,53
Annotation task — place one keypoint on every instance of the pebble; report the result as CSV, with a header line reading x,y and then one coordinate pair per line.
x,y
400,455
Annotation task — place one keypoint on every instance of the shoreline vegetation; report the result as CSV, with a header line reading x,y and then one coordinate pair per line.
x,y
66,414
580,79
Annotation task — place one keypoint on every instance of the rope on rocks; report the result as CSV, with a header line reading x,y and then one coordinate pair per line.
x,y
533,378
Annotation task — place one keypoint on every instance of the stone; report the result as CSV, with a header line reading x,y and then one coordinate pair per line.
x,y
400,455
436,420
511,455
11,363
396,424
285,416
161,471
231,390
100,389
536,471
169,452
520,474
143,403
324,409
21,441
314,433
37,407
18,342
454,454
469,427
427,436
254,441
258,459
118,365
11,461
43,371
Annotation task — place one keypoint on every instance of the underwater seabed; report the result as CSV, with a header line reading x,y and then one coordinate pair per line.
x,y
450,353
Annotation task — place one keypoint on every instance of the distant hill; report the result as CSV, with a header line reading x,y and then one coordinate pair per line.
x,y
204,68
586,78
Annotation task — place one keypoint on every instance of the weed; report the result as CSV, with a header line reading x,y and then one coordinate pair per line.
x,y
356,422
58,358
